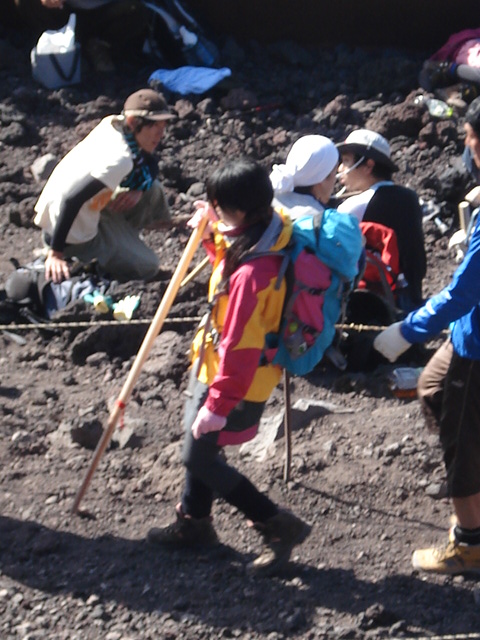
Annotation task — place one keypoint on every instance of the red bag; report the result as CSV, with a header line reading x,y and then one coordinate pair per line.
x,y
382,258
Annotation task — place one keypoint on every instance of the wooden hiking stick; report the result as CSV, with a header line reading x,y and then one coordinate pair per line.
x,y
153,331
288,426
464,214
194,272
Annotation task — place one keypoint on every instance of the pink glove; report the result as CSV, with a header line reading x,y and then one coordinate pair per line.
x,y
203,209
207,421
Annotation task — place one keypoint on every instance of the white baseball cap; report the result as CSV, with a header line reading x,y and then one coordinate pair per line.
x,y
369,144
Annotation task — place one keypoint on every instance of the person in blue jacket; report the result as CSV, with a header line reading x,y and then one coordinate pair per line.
x,y
471,154
448,392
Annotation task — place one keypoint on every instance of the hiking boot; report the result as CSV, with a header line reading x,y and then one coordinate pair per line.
x,y
437,74
185,532
280,534
455,558
99,56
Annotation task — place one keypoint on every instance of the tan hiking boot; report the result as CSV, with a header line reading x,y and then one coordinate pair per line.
x,y
186,532
280,533
454,558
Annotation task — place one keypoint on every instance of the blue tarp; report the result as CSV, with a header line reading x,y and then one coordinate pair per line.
x,y
189,79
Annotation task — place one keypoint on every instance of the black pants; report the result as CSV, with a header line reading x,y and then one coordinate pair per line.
x,y
448,391
207,472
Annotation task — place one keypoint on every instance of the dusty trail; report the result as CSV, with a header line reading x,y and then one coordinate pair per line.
x,y
363,472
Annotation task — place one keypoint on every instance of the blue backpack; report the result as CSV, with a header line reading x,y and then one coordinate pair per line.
x,y
320,264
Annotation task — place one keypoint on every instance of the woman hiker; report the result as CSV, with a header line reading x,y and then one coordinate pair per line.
x,y
303,185
230,383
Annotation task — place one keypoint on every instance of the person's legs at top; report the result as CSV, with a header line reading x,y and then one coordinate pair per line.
x,y
437,74
40,18
115,29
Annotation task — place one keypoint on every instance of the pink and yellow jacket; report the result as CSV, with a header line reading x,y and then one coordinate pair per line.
x,y
239,322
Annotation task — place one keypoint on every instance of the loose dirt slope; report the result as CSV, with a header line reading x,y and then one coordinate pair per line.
x,y
364,469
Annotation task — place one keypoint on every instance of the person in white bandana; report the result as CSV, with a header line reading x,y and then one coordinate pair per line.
x,y
304,184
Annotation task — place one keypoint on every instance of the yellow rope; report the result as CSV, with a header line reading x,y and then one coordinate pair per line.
x,y
455,636
96,323
115,323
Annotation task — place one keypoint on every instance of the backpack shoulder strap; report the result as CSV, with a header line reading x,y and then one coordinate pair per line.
x,y
263,247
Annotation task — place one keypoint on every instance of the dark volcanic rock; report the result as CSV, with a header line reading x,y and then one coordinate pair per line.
x,y
362,471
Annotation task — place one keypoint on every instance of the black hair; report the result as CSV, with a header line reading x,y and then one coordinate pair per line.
x,y
380,171
140,123
472,116
243,185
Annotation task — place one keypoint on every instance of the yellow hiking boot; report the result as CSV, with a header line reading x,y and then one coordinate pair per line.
x,y
454,558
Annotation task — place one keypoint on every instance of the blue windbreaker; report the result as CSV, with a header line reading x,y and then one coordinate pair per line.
x,y
458,303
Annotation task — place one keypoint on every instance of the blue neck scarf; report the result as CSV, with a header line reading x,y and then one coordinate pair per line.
x,y
145,169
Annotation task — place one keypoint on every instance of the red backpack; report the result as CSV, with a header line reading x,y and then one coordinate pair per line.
x,y
382,259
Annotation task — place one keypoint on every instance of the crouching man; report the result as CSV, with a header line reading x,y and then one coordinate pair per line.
x,y
105,191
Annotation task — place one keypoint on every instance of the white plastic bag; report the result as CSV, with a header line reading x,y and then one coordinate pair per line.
x,y
59,41
56,57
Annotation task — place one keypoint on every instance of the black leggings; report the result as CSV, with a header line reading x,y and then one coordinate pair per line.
x,y
207,472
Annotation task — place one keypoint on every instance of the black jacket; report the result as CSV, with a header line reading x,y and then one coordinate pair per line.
x,y
398,207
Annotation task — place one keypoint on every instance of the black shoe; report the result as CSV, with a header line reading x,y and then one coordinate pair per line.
x,y
280,534
185,532
435,75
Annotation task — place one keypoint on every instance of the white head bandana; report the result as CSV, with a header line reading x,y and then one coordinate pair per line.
x,y
309,162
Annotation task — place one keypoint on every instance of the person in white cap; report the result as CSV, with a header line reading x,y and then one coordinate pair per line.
x,y
104,191
304,184
366,168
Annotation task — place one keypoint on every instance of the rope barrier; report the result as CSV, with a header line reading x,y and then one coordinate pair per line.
x,y
96,323
369,327
455,636
360,327
116,323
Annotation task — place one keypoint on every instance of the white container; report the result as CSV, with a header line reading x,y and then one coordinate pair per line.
x,y
55,70
56,57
